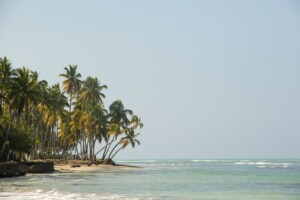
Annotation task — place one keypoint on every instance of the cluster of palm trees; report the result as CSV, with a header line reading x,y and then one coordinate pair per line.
x,y
41,121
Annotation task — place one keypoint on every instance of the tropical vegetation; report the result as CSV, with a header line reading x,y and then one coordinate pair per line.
x,y
39,121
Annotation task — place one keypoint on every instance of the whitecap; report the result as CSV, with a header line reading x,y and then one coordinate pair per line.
x,y
240,163
263,163
261,166
150,161
205,160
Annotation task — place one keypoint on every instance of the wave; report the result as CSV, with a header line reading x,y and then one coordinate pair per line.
x,y
136,161
206,160
55,194
263,164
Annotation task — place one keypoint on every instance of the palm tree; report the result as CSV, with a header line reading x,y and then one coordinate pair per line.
x,y
72,82
118,123
90,99
34,118
91,93
71,85
130,135
5,76
130,138
24,89
54,113
118,114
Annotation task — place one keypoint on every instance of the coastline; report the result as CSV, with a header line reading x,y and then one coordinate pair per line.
x,y
83,166
11,169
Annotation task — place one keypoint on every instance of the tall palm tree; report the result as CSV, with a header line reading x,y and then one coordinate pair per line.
x,y
5,76
71,85
91,92
5,70
54,113
24,90
72,82
90,98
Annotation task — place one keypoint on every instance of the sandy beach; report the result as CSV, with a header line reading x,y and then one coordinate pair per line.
x,y
73,167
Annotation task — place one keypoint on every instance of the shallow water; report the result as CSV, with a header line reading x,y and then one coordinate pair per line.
x,y
166,179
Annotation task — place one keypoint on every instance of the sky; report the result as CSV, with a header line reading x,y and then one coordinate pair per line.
x,y
209,79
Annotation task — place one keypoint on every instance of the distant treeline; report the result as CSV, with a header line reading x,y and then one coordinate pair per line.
x,y
38,121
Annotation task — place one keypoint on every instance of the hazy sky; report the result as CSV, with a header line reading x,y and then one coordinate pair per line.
x,y
210,79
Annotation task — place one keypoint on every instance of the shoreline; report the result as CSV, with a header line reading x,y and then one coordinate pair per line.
x,y
14,169
84,167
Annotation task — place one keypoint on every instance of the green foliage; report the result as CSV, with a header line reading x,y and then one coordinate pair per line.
x,y
46,122
20,142
17,142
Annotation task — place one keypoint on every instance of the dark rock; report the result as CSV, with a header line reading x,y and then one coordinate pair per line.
x,y
41,167
22,173
109,162
36,168
12,169
23,168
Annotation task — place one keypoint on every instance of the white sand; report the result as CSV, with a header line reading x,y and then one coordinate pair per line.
x,y
65,168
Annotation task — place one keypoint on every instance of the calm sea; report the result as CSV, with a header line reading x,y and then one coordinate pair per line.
x,y
166,179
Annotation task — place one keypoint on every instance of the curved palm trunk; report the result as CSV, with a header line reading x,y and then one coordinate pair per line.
x,y
100,150
108,147
105,147
116,153
111,152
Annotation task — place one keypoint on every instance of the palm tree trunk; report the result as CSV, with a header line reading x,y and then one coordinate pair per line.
x,y
91,146
101,150
108,147
12,116
116,153
114,148
70,109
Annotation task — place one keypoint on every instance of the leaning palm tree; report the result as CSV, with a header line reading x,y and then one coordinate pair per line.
x,y
118,123
130,135
130,138
118,113
72,82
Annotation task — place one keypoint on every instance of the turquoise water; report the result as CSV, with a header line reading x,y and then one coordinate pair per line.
x,y
166,179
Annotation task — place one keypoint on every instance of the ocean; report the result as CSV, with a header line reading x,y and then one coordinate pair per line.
x,y
166,180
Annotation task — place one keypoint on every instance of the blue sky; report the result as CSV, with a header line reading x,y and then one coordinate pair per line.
x,y
210,79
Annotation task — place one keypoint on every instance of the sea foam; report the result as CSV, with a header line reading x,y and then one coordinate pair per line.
x,y
55,195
